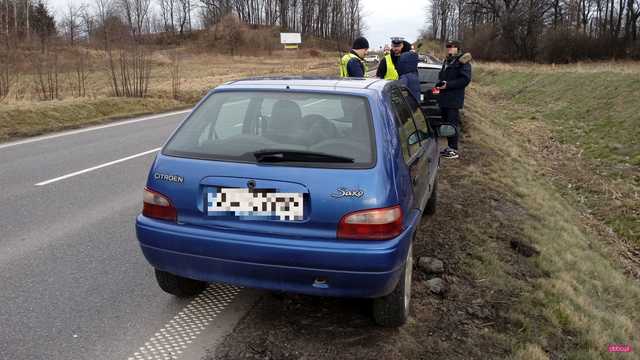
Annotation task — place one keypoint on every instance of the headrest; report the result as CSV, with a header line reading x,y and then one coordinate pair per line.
x,y
286,114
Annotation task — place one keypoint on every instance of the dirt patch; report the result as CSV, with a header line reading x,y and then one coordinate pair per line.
x,y
476,221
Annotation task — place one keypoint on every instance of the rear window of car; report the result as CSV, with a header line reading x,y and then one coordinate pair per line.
x,y
234,125
428,75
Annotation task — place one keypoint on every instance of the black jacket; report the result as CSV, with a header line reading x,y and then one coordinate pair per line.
x,y
381,72
456,71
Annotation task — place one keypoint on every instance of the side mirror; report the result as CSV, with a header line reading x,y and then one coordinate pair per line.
x,y
413,138
416,137
446,131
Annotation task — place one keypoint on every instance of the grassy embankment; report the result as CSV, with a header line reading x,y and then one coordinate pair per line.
x,y
199,72
568,153
515,184
592,112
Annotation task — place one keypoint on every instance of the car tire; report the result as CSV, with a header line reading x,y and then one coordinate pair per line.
x,y
432,203
178,285
393,310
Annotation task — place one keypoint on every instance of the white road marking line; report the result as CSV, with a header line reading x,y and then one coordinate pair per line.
x,y
174,338
93,128
96,167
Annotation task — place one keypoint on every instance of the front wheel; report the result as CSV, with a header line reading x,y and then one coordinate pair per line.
x,y
393,310
178,285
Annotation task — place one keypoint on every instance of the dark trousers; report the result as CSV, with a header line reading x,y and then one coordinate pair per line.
x,y
451,117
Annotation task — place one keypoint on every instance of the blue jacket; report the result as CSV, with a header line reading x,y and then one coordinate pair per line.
x,y
456,71
408,71
355,68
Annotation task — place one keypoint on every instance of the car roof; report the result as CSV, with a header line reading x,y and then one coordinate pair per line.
x,y
319,83
424,65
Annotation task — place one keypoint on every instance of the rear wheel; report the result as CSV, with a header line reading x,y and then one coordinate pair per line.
x,y
393,310
178,285
430,208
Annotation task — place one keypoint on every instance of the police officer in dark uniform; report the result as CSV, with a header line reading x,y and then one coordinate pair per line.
x,y
387,68
454,78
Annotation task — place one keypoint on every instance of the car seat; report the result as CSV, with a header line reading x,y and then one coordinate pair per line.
x,y
285,125
320,129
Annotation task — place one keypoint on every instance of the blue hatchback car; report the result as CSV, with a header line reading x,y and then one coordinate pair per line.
x,y
313,186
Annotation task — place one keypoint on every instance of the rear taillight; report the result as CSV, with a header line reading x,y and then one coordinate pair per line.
x,y
158,206
374,224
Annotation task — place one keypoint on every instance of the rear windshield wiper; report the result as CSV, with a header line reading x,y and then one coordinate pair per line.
x,y
298,156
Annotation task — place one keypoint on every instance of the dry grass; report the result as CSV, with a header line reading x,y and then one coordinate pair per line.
x,y
585,126
22,115
30,119
585,301
623,66
201,72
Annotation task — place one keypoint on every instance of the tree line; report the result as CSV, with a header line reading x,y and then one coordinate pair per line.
x,y
326,19
127,32
539,30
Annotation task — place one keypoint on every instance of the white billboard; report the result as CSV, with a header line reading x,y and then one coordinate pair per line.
x,y
290,38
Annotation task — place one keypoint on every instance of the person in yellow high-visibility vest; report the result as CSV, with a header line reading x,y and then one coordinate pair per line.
x,y
387,69
353,64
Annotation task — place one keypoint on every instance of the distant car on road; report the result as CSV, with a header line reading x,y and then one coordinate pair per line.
x,y
293,184
372,59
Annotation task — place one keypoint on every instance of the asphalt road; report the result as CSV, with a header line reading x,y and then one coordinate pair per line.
x,y
73,281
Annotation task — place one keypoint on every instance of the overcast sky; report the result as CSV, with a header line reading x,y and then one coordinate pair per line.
x,y
387,18
384,18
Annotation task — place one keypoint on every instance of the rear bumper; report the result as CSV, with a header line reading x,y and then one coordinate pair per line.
x,y
351,269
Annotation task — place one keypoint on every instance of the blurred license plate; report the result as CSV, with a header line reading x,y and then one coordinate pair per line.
x,y
252,204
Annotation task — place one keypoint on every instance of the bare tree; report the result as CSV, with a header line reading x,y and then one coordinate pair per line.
x,y
71,24
105,18
134,70
229,31
167,8
175,73
27,11
82,66
7,61
136,13
47,74
184,16
87,21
